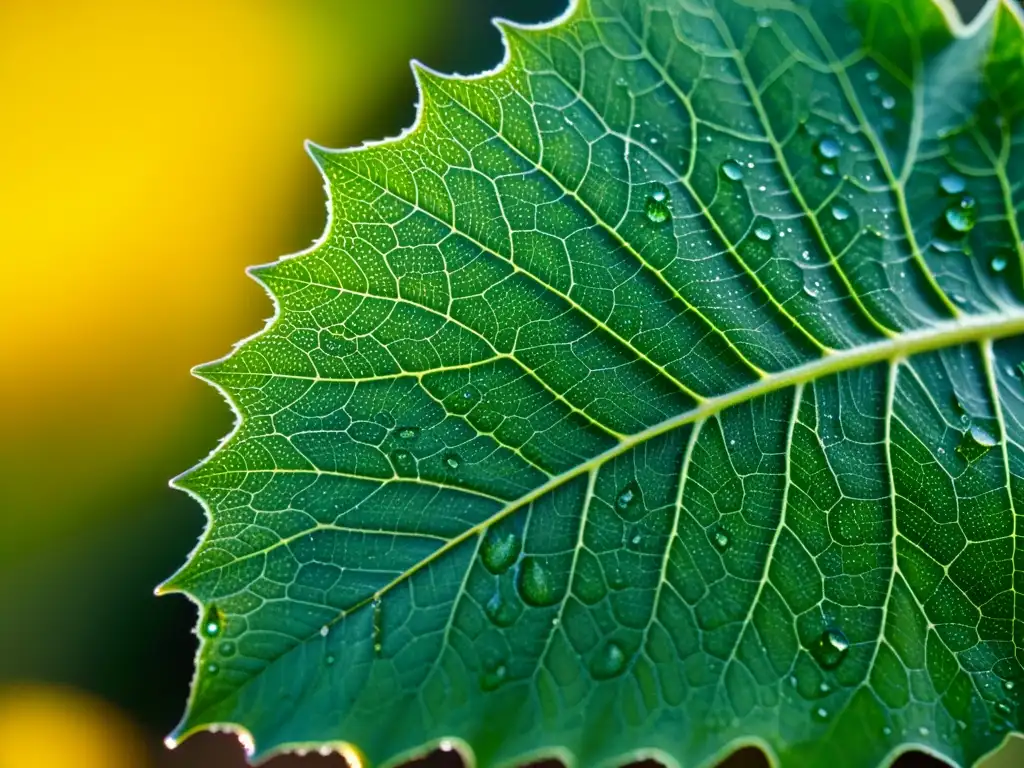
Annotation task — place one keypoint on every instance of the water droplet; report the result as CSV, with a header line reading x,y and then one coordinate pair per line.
x,y
402,459
962,215
831,648
628,502
1009,685
871,75
324,630
213,622
501,611
608,662
824,688
635,540
227,648
840,212
409,433
536,583
763,232
828,148
952,183
887,731
329,660
732,170
451,460
821,714
923,731
212,668
998,264
764,20
828,169
888,102
975,443
493,678
961,724
499,550
720,537
656,205
1004,709
378,625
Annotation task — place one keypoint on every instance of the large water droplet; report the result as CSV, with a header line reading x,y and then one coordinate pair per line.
x,y
975,443
732,170
499,550
501,611
998,264
952,183
536,583
213,622
452,460
962,215
888,101
493,677
656,206
828,148
840,212
763,232
409,433
608,662
831,648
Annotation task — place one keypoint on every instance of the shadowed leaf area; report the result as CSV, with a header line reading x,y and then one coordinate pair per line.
x,y
658,393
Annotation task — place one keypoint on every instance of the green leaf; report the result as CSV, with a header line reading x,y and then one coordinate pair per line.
x,y
656,393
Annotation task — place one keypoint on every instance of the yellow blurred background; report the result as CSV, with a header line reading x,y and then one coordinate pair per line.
x,y
148,153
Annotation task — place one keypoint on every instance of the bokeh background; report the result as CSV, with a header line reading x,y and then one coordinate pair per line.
x,y
148,153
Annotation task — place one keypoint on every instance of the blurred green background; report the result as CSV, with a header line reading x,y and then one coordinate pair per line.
x,y
148,153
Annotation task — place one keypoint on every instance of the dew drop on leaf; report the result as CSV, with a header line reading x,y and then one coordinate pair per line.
x,y
1009,685
720,537
656,205
493,678
998,264
227,648
952,183
627,496
409,433
213,622
871,75
763,232
975,443
329,660
828,148
732,170
536,583
452,460
840,212
831,648
962,215
888,101
608,662
821,714
499,550
500,611
212,668
378,625
1004,708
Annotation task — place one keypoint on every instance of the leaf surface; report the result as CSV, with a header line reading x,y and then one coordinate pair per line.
x,y
656,393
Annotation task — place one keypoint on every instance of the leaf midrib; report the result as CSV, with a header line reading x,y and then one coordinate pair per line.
x,y
970,328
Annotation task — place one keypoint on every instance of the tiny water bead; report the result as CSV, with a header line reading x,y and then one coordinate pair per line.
x,y
213,622
499,550
452,460
888,101
408,433
763,232
536,583
656,205
212,668
732,170
975,443
962,215
952,183
720,537
227,648
609,661
628,503
830,648
998,264
821,714
840,212
500,611
378,625
329,660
